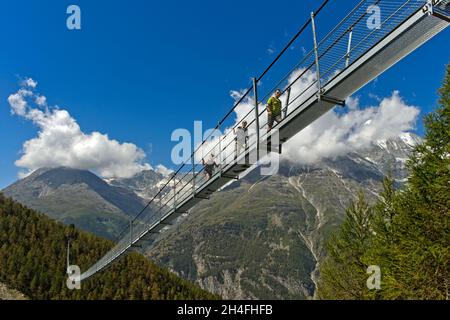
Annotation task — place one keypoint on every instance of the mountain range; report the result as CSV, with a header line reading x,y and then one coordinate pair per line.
x,y
77,197
145,184
259,238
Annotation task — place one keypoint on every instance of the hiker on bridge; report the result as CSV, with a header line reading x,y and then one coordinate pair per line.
x,y
210,165
241,138
274,109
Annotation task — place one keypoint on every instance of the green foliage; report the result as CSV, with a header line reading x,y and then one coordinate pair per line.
x,y
346,251
407,232
33,261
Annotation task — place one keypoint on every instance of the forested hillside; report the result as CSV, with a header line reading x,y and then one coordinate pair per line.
x,y
33,261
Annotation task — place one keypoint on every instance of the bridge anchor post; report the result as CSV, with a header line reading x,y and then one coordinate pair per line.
x,y
131,232
255,94
316,53
174,193
220,150
193,175
288,96
349,47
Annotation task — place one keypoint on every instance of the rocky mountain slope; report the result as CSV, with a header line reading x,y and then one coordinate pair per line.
x,y
263,237
145,184
77,197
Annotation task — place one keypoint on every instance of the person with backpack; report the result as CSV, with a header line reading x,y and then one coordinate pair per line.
x,y
209,165
274,109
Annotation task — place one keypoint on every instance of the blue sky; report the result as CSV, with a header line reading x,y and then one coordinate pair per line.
x,y
140,69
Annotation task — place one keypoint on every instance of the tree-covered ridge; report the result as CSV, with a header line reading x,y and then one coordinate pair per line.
x,y
33,261
406,234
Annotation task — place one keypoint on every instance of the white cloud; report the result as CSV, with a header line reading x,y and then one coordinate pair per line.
x,y
61,142
28,82
336,134
41,101
352,103
163,170
18,103
303,51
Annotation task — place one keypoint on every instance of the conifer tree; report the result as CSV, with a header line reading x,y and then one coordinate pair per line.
x,y
408,234
345,255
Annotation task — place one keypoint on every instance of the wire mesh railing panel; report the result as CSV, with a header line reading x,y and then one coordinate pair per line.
x,y
359,32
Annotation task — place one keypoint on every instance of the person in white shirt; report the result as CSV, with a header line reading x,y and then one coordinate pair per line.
x,y
241,138
209,165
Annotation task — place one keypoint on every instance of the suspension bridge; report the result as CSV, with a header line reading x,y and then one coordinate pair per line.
x,y
368,40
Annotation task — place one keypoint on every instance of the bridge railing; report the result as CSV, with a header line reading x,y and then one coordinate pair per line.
x,y
368,22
